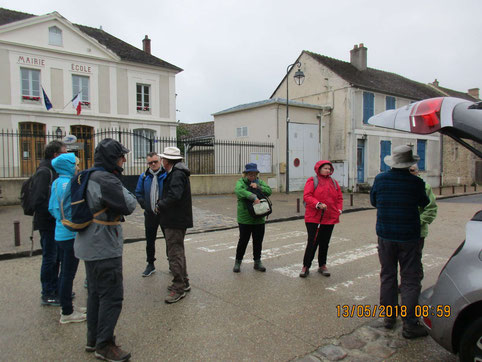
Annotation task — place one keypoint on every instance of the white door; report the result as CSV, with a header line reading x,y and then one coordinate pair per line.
x,y
304,152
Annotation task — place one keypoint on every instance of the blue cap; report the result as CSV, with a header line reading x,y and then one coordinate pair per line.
x,y
251,167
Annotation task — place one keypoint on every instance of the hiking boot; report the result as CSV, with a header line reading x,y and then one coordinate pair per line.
x,y
187,287
323,270
389,323
150,269
111,352
411,331
258,265
75,317
50,301
90,347
237,266
304,272
174,297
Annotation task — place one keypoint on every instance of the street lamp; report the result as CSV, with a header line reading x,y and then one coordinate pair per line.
x,y
299,78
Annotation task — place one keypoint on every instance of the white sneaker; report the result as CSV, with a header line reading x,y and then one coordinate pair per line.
x,y
82,310
75,317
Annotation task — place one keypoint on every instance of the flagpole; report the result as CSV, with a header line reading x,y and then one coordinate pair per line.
x,y
71,100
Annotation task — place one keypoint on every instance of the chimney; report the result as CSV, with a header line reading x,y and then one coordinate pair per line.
x,y
474,92
435,83
146,45
358,57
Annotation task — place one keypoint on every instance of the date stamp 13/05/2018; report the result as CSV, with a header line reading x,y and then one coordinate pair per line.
x,y
388,311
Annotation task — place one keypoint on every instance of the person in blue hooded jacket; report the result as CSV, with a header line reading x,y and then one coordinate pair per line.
x,y
148,192
65,165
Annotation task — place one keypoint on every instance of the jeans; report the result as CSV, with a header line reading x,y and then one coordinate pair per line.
x,y
68,269
245,232
177,257
104,302
409,256
322,239
151,223
49,271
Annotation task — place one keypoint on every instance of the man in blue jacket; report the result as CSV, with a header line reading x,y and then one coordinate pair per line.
x,y
397,195
148,192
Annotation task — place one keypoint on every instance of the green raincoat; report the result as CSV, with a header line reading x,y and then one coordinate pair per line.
x,y
241,191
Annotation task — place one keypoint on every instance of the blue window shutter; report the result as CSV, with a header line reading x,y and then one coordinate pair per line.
x,y
385,150
421,145
368,106
389,102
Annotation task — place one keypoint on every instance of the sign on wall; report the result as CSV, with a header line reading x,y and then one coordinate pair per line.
x,y
263,160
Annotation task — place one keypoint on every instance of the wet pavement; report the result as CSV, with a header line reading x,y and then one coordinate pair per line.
x,y
227,316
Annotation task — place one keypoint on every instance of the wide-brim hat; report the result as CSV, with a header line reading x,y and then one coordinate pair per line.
x,y
251,167
171,153
402,157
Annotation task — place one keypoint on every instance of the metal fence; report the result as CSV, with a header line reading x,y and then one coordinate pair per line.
x,y
22,151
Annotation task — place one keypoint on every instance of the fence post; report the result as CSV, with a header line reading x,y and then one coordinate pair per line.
x,y
351,199
16,232
440,190
297,205
465,189
453,189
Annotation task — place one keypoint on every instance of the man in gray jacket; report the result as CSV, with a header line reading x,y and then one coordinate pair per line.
x,y
100,246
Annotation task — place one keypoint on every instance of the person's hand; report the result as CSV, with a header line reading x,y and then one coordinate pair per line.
x,y
256,201
254,185
321,206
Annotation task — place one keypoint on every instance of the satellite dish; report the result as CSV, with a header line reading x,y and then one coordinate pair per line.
x,y
69,139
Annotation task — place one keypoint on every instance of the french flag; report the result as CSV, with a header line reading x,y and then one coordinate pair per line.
x,y
76,103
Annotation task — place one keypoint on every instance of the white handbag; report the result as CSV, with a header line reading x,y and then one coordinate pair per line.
x,y
262,208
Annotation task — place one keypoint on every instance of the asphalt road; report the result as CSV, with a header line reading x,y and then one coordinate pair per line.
x,y
272,316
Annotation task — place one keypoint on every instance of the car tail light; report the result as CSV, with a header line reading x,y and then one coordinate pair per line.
x,y
425,116
427,322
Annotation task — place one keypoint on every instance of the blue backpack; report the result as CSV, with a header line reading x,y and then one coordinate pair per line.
x,y
76,213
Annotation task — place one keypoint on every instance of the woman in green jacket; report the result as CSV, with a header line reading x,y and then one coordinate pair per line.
x,y
249,225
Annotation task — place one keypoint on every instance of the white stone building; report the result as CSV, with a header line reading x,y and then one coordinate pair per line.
x,y
119,85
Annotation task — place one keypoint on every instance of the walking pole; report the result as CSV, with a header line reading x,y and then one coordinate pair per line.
x,y
319,224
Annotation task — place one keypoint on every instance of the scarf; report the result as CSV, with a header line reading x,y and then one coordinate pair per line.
x,y
154,189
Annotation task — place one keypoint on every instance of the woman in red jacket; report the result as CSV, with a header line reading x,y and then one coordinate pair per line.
x,y
324,203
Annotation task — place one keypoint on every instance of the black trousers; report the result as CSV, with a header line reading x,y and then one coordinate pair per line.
x,y
409,256
322,240
245,232
104,301
151,223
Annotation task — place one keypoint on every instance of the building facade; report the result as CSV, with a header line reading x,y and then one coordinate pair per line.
x,y
354,93
113,84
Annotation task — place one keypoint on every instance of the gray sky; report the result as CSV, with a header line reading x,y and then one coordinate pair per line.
x,y
236,52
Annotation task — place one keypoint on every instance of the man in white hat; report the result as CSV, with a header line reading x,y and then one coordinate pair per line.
x,y
397,195
175,210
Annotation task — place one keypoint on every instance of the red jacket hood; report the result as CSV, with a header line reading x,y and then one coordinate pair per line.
x,y
321,163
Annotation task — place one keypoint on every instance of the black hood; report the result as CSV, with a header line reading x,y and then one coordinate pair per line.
x,y
107,153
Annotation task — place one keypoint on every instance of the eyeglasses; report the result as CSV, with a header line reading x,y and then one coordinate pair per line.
x,y
412,170
152,162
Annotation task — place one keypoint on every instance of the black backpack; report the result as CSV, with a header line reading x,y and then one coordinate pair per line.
x,y
264,208
26,197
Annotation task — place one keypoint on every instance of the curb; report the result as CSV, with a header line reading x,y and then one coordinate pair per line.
x,y
26,254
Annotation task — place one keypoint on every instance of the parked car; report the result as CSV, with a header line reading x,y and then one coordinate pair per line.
x,y
452,308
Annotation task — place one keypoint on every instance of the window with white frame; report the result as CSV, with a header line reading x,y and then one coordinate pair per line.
x,y
143,101
80,84
55,36
30,84
143,142
242,131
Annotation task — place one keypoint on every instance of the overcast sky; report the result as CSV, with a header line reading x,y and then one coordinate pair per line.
x,y
236,52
